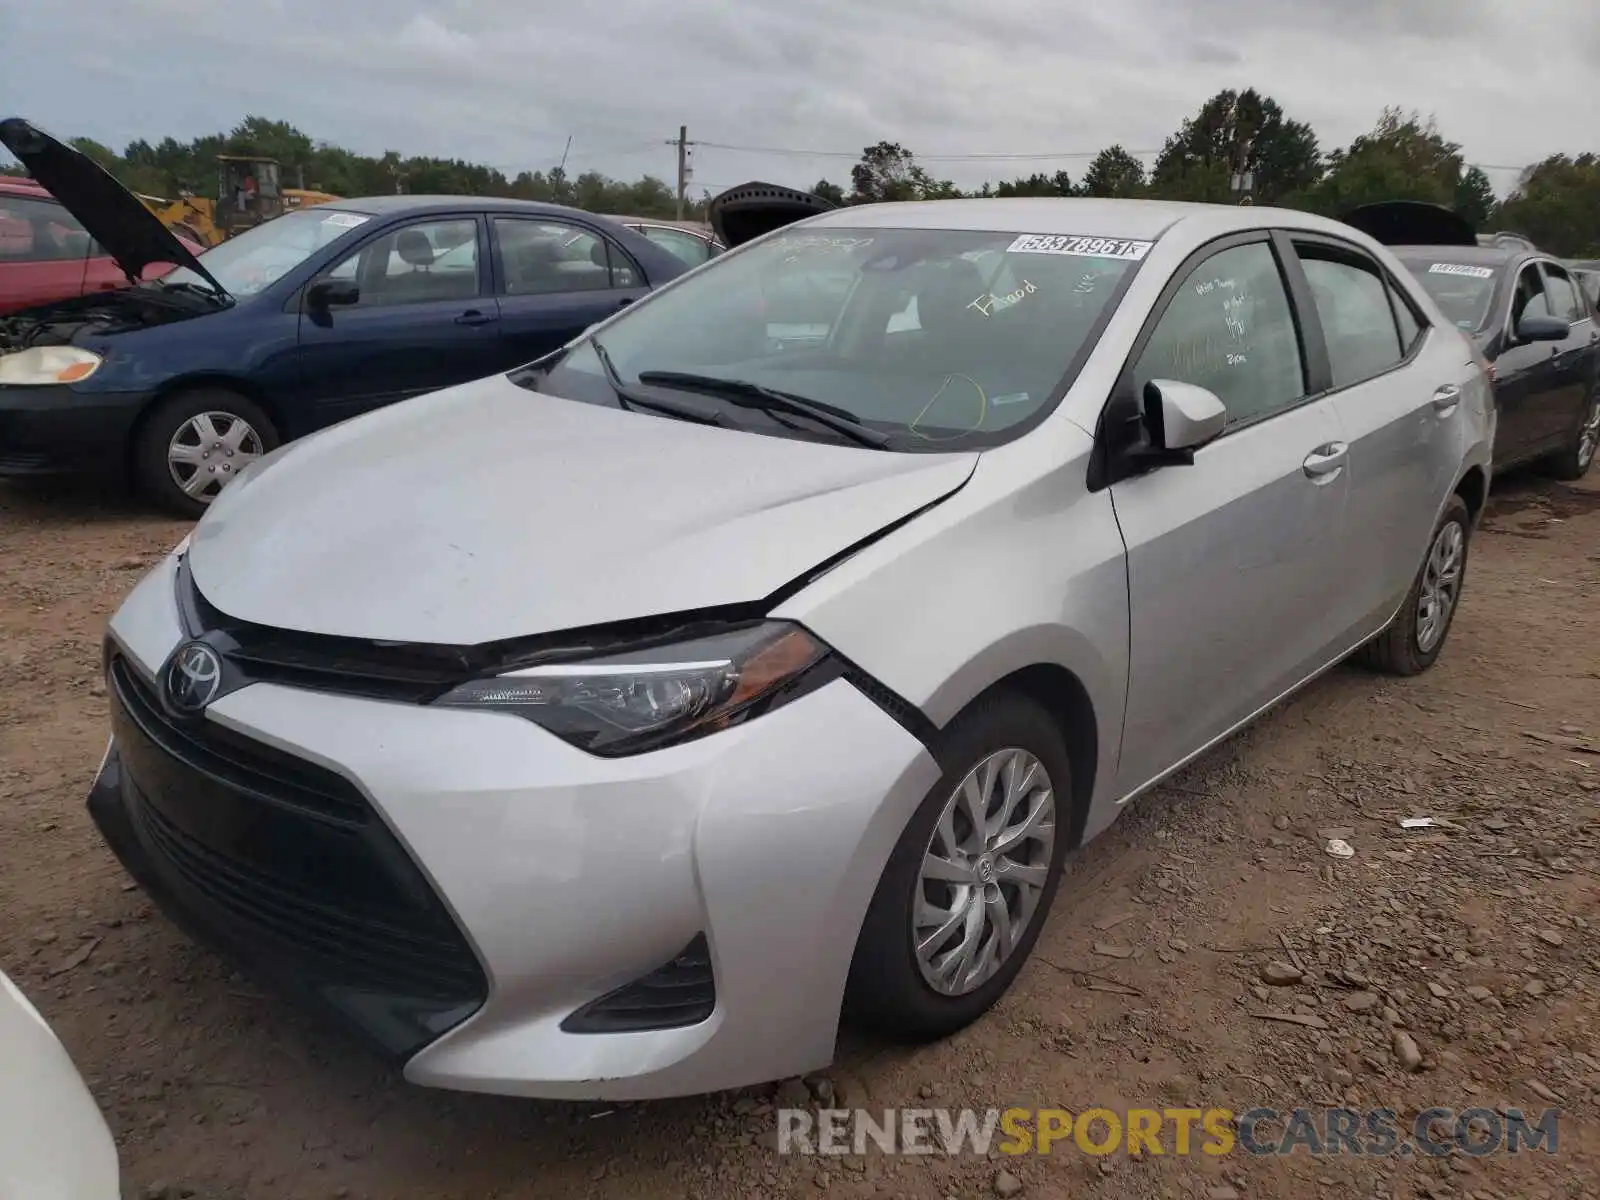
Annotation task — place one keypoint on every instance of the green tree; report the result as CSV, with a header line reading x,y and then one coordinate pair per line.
x,y
1401,158
1114,172
1234,132
831,192
1557,204
1038,184
1474,197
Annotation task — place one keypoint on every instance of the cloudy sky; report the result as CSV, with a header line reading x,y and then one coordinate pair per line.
x,y
790,92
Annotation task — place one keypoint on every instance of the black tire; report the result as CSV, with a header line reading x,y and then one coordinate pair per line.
x,y
151,472
886,992
1396,651
1572,462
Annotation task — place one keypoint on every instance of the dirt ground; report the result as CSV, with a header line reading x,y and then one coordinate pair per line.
x,y
1474,939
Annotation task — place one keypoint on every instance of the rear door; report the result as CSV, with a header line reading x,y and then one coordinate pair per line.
x,y
1237,586
1527,378
554,279
1397,386
426,319
1568,401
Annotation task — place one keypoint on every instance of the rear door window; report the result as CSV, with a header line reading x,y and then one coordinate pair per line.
x,y
37,230
1353,305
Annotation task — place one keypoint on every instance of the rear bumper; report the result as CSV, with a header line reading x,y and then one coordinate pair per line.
x,y
59,431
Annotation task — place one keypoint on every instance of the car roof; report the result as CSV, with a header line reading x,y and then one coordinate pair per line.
x,y
20,185
387,206
1140,220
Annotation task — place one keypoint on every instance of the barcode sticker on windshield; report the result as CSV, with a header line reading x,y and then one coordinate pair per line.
x,y
1461,269
1080,247
345,220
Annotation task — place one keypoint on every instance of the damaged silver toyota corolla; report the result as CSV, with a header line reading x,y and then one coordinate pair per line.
x,y
613,727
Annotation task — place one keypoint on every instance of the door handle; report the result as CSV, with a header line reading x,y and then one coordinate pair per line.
x,y
1446,398
1325,462
475,317
624,302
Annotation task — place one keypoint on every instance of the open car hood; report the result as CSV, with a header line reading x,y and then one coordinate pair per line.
x,y
129,232
1412,223
742,214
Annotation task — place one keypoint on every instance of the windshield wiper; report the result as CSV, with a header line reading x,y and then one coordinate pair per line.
x,y
684,412
744,394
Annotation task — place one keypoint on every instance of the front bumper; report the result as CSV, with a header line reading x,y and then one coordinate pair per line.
x,y
60,431
563,875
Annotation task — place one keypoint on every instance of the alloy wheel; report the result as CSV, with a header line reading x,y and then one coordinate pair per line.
x,y
1441,585
208,450
983,872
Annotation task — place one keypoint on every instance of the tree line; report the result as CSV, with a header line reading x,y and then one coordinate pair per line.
x,y
1234,137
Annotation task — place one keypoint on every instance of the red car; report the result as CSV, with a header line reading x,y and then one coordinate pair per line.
x,y
46,255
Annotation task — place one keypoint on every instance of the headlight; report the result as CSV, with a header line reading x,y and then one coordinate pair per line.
x,y
48,364
628,703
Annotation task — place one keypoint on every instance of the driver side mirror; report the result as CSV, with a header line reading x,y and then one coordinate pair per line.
x,y
1542,329
1181,417
332,293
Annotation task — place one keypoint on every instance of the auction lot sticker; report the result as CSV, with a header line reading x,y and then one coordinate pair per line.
x,y
1080,246
1461,269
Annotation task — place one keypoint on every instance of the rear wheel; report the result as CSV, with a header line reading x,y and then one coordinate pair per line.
x,y
1413,640
1573,460
195,443
967,888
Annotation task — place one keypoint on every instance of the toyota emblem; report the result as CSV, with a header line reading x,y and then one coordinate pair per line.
x,y
194,677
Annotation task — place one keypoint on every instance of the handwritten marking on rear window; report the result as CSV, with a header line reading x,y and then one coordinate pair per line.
x,y
1461,269
1079,246
793,246
989,304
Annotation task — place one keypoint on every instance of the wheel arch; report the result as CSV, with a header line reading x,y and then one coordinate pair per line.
x,y
1473,488
1063,695
219,380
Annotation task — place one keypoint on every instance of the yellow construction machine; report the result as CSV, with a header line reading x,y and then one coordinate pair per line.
x,y
249,191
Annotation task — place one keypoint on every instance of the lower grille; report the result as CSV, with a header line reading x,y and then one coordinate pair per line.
x,y
681,993
320,896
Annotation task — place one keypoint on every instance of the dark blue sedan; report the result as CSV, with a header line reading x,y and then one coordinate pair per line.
x,y
318,315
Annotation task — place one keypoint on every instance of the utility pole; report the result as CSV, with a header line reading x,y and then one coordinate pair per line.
x,y
685,170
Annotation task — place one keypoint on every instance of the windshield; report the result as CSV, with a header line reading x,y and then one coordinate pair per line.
x,y
259,257
929,336
1463,291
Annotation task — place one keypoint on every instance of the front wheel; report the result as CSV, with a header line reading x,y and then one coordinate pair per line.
x,y
1413,640
196,443
1573,460
967,888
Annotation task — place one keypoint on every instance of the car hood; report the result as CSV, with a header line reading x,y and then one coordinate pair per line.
x,y
489,511
129,232
1412,223
54,1144
744,213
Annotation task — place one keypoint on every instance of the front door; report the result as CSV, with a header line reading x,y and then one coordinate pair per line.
x,y
555,279
1526,374
425,320
1235,584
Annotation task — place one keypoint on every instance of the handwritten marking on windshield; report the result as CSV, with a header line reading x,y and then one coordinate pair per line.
x,y
989,303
